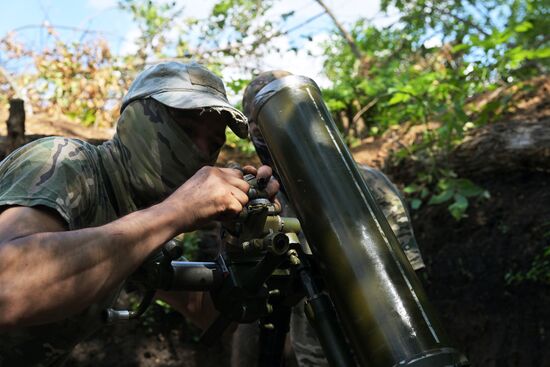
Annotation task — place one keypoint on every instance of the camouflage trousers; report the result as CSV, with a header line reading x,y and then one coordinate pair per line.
x,y
304,342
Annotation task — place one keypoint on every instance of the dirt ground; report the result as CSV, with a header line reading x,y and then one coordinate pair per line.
x,y
494,323
159,338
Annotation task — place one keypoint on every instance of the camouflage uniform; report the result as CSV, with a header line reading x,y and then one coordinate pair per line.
x,y
147,159
394,208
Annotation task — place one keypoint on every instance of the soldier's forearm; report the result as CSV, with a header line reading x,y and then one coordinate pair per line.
x,y
48,276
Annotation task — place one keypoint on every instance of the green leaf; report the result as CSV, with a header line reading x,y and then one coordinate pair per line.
x,y
458,208
162,303
411,188
523,27
441,197
335,105
398,98
416,203
222,7
444,184
541,53
424,193
459,112
460,47
467,188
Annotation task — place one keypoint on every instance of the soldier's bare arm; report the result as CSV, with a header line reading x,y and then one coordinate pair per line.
x,y
48,273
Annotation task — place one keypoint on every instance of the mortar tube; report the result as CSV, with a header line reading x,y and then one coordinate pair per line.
x,y
383,308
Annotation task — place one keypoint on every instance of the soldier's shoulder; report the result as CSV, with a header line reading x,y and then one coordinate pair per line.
x,y
61,173
52,149
59,144
56,160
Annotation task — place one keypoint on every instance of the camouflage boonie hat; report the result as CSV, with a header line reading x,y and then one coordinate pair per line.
x,y
258,83
185,86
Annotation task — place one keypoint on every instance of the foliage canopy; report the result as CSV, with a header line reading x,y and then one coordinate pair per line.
x,y
435,67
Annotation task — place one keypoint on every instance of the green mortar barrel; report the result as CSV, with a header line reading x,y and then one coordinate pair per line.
x,y
379,300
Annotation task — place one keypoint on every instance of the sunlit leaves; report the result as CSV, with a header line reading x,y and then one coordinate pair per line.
x,y
84,81
75,79
154,20
398,98
479,47
244,146
523,27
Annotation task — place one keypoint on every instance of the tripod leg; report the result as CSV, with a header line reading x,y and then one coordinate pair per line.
x,y
273,333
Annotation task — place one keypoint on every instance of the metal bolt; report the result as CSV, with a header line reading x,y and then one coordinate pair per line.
x,y
258,244
293,257
274,292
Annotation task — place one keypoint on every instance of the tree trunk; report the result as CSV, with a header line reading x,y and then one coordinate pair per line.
x,y
358,122
343,122
15,125
504,147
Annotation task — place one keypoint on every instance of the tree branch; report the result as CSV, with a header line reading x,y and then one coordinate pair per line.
x,y
265,39
68,28
460,19
203,54
363,110
347,36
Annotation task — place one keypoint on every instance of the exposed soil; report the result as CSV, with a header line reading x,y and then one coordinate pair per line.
x,y
160,338
494,323
41,124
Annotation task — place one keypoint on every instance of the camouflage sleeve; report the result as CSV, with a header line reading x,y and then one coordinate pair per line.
x,y
52,172
395,210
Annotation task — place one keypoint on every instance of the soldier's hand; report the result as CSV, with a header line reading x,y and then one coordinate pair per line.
x,y
210,194
264,173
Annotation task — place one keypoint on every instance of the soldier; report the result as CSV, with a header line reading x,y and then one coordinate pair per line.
x,y
304,342
76,219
